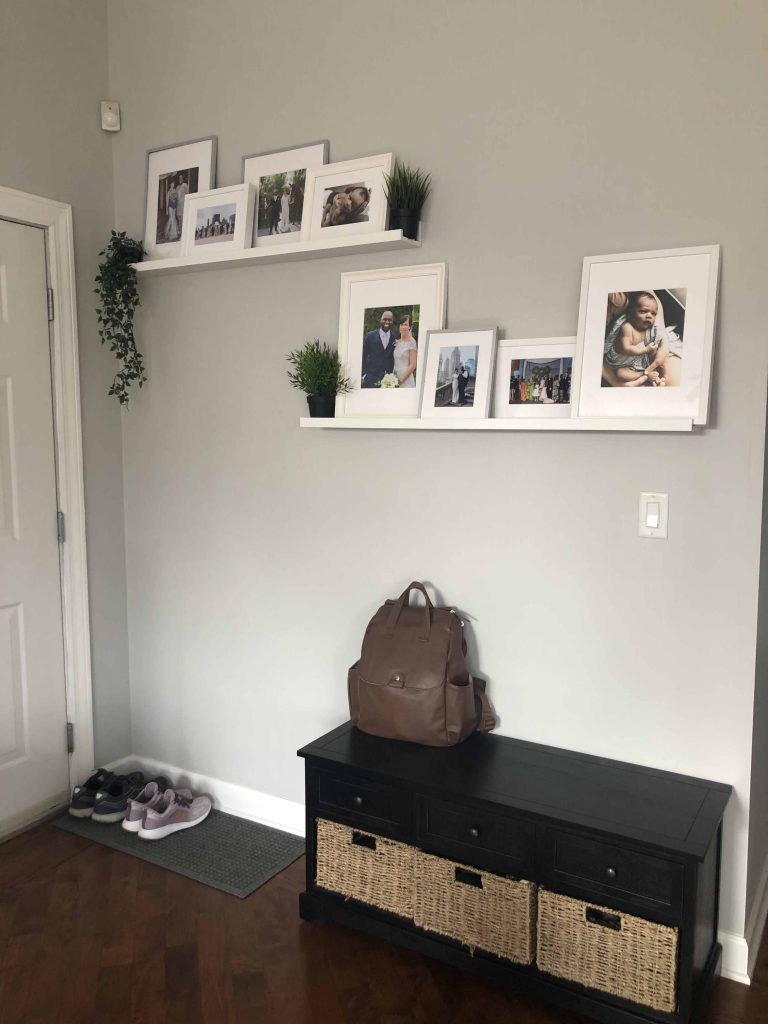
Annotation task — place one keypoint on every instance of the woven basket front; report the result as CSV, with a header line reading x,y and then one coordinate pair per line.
x,y
497,916
381,877
637,962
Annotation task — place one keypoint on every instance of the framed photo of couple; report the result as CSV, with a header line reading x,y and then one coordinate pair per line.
x,y
173,174
645,337
280,180
384,318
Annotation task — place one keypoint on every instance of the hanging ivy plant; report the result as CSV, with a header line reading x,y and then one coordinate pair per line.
x,y
118,299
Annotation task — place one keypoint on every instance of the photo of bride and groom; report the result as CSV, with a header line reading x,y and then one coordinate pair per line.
x,y
172,191
390,347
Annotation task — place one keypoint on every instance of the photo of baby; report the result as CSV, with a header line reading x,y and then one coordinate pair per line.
x,y
643,344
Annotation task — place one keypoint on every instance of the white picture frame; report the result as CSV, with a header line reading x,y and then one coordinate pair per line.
x,y
456,383
555,356
273,225
365,296
195,163
346,199
212,209
680,285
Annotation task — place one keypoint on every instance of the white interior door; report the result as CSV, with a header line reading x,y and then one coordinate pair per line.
x,y
33,750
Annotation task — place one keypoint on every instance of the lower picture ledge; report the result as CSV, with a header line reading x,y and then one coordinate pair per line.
x,y
670,425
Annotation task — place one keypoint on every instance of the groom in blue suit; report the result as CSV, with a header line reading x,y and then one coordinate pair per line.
x,y
378,351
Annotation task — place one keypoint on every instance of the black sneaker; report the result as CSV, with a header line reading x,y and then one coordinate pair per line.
x,y
111,801
84,797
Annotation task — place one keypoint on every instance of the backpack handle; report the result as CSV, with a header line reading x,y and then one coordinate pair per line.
x,y
394,614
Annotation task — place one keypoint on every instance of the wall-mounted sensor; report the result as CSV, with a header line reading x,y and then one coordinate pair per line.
x,y
110,116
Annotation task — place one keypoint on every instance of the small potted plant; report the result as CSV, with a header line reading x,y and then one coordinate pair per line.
x,y
406,189
317,372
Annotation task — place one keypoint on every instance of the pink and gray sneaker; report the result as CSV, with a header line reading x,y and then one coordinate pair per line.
x,y
138,806
173,812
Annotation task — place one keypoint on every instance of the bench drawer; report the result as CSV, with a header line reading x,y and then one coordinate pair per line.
x,y
456,829
366,801
612,868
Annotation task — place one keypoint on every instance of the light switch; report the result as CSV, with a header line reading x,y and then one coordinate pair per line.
x,y
654,512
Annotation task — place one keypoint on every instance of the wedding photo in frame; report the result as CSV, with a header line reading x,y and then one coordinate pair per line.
x,y
384,318
173,174
218,220
533,379
280,179
645,338
346,199
456,383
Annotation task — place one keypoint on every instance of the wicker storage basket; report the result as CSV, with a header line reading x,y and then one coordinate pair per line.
x,y
476,908
602,949
365,867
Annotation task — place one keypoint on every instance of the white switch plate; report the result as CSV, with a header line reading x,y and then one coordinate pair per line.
x,y
653,507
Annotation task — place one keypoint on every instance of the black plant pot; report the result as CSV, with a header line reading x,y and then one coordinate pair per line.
x,y
322,405
408,220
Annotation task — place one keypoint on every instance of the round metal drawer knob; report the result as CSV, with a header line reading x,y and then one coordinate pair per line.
x,y
610,873
358,801
475,832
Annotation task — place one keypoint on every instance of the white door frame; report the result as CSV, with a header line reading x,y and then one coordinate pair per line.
x,y
56,219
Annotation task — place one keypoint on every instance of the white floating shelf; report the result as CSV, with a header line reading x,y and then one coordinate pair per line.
x,y
379,241
676,424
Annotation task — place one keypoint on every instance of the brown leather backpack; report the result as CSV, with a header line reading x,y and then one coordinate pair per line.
x,y
411,682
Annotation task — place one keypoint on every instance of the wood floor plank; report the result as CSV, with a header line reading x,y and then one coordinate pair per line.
x,y
89,935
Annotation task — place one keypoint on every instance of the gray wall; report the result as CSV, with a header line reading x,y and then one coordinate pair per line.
x,y
758,818
257,552
53,72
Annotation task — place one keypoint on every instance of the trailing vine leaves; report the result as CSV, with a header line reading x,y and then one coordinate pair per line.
x,y
118,299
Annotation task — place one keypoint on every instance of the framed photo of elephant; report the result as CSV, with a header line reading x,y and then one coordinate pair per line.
x,y
384,318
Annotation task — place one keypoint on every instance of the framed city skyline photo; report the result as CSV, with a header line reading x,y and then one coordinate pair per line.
x,y
347,198
646,327
173,174
534,378
383,319
218,220
280,180
456,382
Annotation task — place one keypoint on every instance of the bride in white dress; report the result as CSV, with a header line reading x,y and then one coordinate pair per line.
x,y
405,355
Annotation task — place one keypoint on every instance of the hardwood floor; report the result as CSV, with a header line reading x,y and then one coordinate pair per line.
x,y
92,936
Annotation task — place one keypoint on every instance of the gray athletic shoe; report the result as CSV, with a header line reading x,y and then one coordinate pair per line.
x,y
111,801
173,812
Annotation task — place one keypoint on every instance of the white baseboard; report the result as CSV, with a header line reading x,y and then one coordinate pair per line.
x,y
239,800
757,918
735,964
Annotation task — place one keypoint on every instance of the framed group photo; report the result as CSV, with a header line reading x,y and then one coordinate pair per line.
x,y
456,383
173,174
646,327
534,378
280,180
346,199
218,220
384,319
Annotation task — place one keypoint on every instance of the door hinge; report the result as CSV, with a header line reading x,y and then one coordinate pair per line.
x,y
61,528
70,737
50,305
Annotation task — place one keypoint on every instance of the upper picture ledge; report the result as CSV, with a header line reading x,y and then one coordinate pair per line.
x,y
380,241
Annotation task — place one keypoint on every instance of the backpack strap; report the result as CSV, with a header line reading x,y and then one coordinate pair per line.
x,y
487,719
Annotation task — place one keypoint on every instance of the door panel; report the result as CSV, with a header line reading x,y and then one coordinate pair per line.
x,y
33,756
